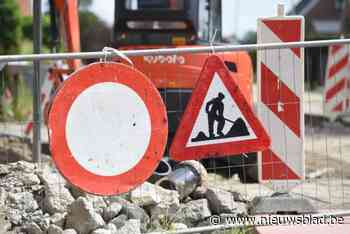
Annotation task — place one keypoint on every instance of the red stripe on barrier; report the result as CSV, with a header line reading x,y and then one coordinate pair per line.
x,y
28,128
337,67
338,107
336,48
340,85
286,30
7,93
272,95
274,168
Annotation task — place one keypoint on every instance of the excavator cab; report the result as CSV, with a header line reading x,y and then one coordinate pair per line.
x,y
154,24
166,22
151,24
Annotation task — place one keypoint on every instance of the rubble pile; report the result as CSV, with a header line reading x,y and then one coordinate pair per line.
x,y
41,202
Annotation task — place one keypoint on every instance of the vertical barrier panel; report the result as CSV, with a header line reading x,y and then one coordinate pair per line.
x,y
45,94
281,88
336,92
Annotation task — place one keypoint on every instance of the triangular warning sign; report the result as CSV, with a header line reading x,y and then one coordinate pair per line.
x,y
218,121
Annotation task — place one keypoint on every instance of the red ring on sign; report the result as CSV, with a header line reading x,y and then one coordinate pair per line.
x,y
62,156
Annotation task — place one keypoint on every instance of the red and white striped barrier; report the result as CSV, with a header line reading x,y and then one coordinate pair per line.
x,y
45,94
281,88
336,92
53,78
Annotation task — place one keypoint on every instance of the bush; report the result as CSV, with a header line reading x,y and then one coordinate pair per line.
x,y
27,29
10,27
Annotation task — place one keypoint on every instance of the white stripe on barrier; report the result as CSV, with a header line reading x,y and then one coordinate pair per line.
x,y
340,54
337,99
285,143
336,78
281,67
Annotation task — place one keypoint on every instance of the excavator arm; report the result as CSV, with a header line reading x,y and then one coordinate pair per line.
x,y
67,10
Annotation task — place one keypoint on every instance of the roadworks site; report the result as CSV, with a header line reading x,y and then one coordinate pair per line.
x,y
36,199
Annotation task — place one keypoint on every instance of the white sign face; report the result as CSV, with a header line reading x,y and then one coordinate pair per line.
x,y
220,119
108,129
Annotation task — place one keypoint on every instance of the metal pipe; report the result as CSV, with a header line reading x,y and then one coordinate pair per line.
x,y
163,168
36,82
172,51
186,177
161,171
184,180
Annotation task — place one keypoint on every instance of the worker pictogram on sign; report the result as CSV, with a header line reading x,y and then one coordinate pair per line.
x,y
108,128
281,89
218,121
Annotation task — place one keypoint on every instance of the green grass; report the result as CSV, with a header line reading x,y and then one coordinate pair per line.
x,y
20,106
24,104
27,47
242,230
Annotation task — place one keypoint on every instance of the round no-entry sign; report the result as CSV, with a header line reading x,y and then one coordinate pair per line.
x,y
108,128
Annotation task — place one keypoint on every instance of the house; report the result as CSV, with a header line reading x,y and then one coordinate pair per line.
x,y
25,7
324,19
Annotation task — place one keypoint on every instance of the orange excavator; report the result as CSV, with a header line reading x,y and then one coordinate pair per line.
x,y
147,24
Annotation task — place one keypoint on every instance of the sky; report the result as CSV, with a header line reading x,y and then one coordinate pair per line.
x,y
238,15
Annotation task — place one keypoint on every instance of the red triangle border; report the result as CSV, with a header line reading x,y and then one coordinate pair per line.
x,y
178,149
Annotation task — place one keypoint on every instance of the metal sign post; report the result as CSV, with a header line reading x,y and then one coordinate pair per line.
x,y
37,35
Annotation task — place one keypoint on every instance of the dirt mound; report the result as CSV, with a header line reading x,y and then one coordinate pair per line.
x,y
239,128
200,137
13,149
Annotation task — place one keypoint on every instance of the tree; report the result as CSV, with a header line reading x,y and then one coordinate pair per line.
x,y
10,27
345,18
94,33
27,29
85,4
10,39
250,37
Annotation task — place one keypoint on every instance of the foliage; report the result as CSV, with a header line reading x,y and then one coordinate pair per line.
x,y
10,27
27,29
84,4
10,39
18,105
94,33
250,37
238,230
